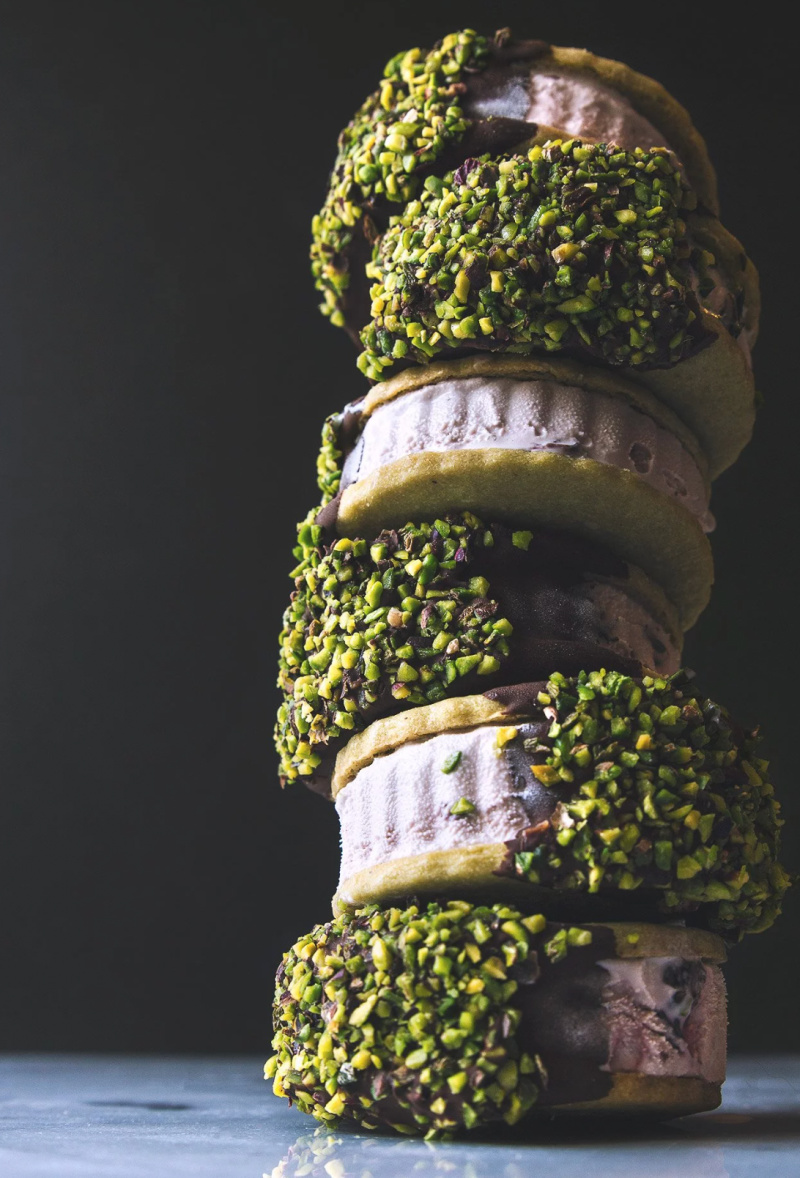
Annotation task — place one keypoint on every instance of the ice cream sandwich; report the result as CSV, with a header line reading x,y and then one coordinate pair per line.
x,y
576,250
440,1017
534,442
596,796
532,404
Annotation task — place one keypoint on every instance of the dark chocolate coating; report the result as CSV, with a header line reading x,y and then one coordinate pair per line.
x,y
563,1023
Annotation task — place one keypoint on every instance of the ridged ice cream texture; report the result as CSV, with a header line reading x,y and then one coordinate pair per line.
x,y
543,416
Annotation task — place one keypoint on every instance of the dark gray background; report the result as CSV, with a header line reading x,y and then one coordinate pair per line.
x,y
163,378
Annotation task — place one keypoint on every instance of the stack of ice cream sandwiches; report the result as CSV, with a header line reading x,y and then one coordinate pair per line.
x,y
549,835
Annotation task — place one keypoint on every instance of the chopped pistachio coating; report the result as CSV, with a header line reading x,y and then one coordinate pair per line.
x,y
329,459
657,789
398,620
405,1016
572,247
401,130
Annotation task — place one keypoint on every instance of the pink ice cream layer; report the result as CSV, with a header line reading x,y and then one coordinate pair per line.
x,y
576,103
721,302
658,1028
477,413
400,803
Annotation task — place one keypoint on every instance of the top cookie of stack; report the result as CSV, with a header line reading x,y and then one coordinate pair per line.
x,y
480,659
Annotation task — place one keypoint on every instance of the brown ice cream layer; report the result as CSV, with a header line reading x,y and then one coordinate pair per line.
x,y
581,104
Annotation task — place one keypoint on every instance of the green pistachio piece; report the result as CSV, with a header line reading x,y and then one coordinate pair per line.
x,y
452,762
462,808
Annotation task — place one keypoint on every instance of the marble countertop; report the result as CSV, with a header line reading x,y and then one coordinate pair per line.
x,y
126,1117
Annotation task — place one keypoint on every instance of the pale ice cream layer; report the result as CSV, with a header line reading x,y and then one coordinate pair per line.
x,y
576,103
665,1017
400,803
477,413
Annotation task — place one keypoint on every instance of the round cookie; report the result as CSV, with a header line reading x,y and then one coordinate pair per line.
x,y
599,796
442,608
442,1017
713,392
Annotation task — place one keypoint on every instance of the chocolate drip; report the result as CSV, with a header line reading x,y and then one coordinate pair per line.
x,y
348,426
534,655
563,1023
519,699
507,49
327,516
355,299
563,558
493,135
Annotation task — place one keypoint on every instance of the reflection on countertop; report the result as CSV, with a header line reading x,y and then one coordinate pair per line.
x,y
127,1117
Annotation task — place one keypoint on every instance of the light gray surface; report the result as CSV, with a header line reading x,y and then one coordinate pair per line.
x,y
131,1117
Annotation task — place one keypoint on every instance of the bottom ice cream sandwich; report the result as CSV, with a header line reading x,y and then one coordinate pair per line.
x,y
593,797
440,1017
